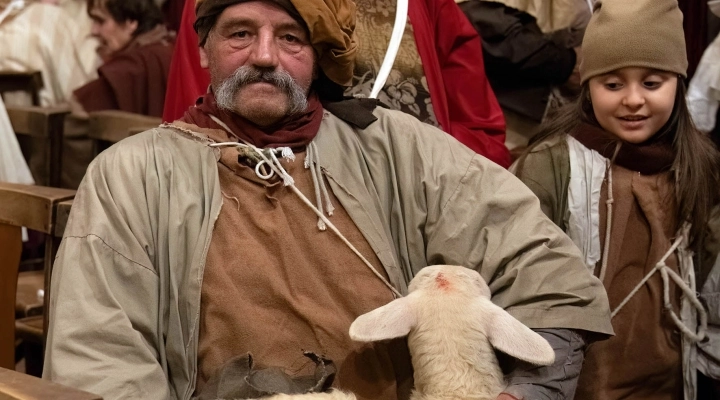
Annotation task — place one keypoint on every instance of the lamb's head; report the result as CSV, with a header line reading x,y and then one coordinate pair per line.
x,y
450,279
443,285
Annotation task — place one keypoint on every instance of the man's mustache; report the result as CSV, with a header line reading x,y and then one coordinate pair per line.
x,y
248,75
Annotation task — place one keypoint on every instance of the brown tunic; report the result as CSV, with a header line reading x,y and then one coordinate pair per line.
x,y
274,286
643,359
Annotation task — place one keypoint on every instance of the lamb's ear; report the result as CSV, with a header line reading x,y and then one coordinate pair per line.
x,y
390,321
510,336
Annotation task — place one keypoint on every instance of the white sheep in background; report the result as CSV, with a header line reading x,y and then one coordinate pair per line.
x,y
452,327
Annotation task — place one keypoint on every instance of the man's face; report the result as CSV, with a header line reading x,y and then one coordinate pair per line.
x,y
260,61
113,35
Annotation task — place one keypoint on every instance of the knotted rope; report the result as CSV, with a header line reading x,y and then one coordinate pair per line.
x,y
269,159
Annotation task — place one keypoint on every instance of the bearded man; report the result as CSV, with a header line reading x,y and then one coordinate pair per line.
x,y
202,241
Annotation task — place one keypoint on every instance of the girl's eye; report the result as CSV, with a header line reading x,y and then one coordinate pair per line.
x,y
613,85
652,84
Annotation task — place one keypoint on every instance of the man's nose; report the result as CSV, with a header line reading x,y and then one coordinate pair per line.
x,y
265,52
95,29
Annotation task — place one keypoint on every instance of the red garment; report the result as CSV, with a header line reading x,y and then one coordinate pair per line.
x,y
188,80
451,54
295,133
134,81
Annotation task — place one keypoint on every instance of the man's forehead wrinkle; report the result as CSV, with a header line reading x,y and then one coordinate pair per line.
x,y
234,22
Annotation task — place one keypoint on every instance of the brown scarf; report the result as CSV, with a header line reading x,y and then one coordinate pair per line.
x,y
295,133
648,158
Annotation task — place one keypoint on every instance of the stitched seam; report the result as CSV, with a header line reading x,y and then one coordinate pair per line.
x,y
457,188
111,248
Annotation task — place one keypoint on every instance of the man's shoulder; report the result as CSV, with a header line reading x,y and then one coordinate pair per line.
x,y
163,144
398,137
389,124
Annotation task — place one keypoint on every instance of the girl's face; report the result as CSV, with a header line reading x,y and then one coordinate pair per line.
x,y
633,103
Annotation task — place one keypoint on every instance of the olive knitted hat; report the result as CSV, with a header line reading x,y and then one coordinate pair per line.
x,y
634,33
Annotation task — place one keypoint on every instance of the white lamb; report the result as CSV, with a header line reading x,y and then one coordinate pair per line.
x,y
332,395
452,327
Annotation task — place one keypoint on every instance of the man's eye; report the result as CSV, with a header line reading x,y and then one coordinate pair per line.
x,y
240,34
291,38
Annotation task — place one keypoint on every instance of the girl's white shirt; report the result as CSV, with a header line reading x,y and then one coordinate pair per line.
x,y
587,172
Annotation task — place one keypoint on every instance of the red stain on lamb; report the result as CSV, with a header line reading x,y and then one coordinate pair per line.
x,y
442,282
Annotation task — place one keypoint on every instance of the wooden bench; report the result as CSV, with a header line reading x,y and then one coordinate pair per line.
x,y
29,82
34,207
43,126
18,386
111,126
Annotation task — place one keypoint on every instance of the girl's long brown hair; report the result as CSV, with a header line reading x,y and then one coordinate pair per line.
x,y
696,165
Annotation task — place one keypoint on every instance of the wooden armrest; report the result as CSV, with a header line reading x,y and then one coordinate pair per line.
x,y
37,121
61,218
16,80
17,386
115,125
31,205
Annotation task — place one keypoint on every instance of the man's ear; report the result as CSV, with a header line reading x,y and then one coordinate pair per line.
x,y
203,57
131,25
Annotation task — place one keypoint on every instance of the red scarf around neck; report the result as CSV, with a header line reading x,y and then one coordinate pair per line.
x,y
295,133
648,158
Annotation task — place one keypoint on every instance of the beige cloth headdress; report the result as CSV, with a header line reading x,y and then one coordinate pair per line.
x,y
331,24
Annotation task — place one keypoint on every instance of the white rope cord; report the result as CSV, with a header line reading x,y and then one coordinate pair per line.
x,y
690,295
316,158
318,200
401,13
14,5
291,184
608,220
688,290
591,5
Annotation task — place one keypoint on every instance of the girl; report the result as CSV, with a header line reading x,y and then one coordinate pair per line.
x,y
624,172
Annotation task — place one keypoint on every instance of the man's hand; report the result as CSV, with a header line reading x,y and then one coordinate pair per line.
x,y
505,396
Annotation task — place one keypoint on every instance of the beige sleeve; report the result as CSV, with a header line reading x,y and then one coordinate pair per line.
x,y
104,333
493,223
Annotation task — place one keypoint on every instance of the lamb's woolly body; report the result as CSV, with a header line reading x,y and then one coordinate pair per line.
x,y
452,357
333,395
453,328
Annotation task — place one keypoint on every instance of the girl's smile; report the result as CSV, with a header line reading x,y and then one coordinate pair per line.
x,y
633,103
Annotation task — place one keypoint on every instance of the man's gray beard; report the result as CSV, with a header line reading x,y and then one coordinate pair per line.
x,y
245,75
